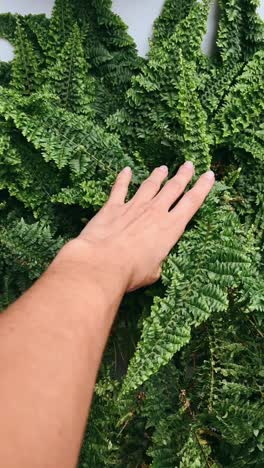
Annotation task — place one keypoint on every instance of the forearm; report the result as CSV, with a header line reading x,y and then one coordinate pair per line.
x,y
51,343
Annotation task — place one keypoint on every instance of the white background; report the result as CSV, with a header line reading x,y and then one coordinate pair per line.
x,y
137,14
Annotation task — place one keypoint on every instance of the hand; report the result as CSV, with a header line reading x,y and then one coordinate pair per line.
x,y
132,239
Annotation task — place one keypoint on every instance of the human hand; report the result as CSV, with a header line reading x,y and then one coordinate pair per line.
x,y
132,238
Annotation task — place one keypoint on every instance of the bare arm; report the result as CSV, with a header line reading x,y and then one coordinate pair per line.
x,y
53,337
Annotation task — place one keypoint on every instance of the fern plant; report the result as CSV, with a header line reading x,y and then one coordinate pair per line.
x,y
181,382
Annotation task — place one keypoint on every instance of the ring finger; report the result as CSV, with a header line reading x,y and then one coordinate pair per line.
x,y
174,188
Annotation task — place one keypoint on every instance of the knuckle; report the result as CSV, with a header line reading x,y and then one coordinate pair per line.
x,y
149,208
152,182
111,204
185,174
192,199
155,208
119,184
156,275
177,185
186,171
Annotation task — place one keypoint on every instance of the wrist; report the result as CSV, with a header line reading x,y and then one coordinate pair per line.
x,y
89,263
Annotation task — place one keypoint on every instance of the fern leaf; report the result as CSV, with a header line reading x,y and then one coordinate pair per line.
x,y
243,105
60,28
240,32
172,13
69,77
25,71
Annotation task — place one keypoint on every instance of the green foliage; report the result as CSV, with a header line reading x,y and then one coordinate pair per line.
x,y
69,76
26,251
172,13
25,64
240,32
7,26
60,28
195,144
181,383
242,110
5,69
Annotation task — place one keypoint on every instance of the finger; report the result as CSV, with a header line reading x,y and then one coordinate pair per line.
x,y
120,187
174,188
192,200
150,187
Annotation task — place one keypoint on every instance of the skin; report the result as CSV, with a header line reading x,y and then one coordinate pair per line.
x,y
52,338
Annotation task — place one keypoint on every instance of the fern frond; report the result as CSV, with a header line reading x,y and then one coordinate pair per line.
x,y
38,26
172,13
195,454
243,107
240,32
69,76
192,119
60,28
25,67
88,193
66,138
5,73
7,26
26,251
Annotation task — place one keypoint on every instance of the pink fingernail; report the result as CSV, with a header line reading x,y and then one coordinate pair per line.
x,y
189,165
209,175
126,170
163,168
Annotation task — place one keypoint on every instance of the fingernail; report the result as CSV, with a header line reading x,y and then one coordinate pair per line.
x,y
189,165
126,170
163,168
209,175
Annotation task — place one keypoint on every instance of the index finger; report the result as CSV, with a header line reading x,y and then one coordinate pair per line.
x,y
192,200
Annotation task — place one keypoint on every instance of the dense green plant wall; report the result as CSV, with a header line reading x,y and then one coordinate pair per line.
x,y
181,383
